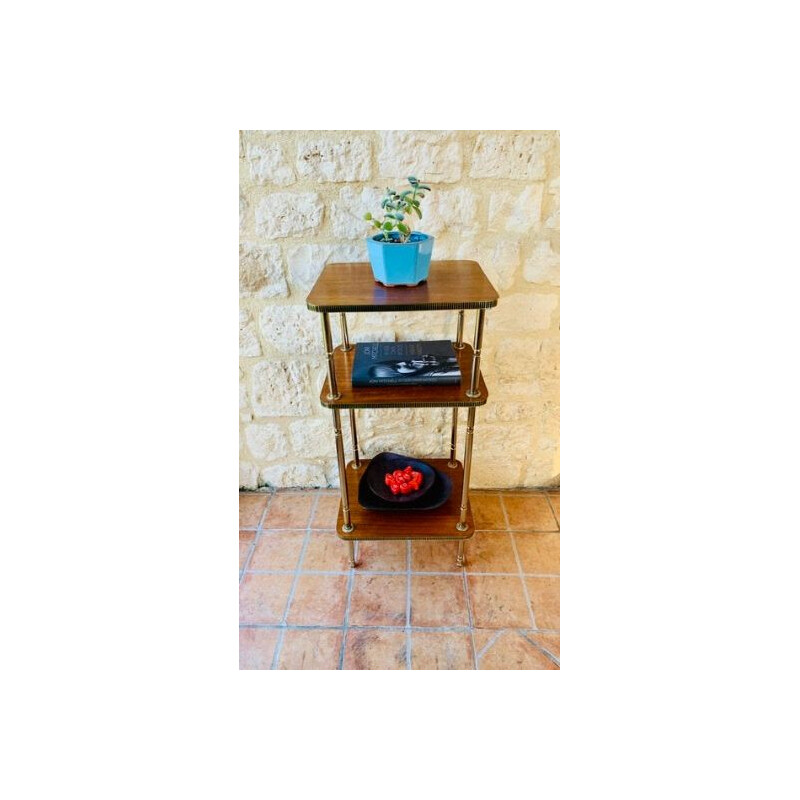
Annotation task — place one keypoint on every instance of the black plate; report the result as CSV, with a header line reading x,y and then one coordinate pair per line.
x,y
436,496
389,462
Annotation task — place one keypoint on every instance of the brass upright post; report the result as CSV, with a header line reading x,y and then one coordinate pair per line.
x,y
347,527
354,436
345,338
473,390
462,520
346,346
452,463
460,333
460,559
333,391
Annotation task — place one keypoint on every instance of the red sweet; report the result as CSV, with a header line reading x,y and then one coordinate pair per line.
x,y
403,481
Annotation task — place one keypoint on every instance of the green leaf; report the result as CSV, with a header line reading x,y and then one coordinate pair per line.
x,y
404,229
424,186
387,226
367,216
412,180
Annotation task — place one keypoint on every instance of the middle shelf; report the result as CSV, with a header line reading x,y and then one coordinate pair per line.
x,y
401,396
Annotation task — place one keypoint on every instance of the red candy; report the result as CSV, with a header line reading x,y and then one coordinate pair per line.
x,y
403,481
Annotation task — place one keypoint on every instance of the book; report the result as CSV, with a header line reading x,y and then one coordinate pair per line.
x,y
405,364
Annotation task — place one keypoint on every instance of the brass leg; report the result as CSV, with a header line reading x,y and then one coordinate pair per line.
x,y
452,463
460,559
351,553
462,521
473,390
347,526
354,436
333,391
345,338
460,334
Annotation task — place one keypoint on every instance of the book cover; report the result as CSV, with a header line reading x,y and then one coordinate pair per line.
x,y
405,363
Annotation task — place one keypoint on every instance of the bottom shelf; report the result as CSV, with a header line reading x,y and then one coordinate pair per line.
x,y
438,523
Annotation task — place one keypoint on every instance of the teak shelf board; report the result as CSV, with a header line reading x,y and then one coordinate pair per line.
x,y
438,523
450,285
400,396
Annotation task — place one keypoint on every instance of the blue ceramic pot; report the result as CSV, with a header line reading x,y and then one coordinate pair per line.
x,y
396,264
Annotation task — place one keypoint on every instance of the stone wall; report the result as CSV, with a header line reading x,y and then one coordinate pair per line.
x,y
494,199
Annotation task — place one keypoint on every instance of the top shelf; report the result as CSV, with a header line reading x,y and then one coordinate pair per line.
x,y
451,285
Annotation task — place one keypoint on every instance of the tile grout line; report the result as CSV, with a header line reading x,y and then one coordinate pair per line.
x,y
346,623
278,647
524,633
403,572
397,628
351,573
553,512
522,581
491,642
290,598
469,617
519,567
541,648
289,529
264,512
255,539
247,559
408,604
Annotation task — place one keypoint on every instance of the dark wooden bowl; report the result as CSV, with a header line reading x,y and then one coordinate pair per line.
x,y
389,462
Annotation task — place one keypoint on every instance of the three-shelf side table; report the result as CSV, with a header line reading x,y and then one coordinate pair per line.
x,y
454,285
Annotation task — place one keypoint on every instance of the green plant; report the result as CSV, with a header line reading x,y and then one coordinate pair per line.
x,y
397,211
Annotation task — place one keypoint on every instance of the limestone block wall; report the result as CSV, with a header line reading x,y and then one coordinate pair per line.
x,y
494,199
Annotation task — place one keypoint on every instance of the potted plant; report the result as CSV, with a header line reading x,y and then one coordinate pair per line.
x,y
399,255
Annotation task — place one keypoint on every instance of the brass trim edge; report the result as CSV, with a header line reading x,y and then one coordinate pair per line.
x,y
479,401
406,538
395,307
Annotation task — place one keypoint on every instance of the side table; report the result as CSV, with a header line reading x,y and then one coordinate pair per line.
x,y
451,285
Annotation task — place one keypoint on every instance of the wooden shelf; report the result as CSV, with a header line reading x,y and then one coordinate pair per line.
x,y
451,285
438,523
401,396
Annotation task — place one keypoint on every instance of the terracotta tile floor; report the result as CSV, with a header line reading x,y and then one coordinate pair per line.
x,y
406,605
